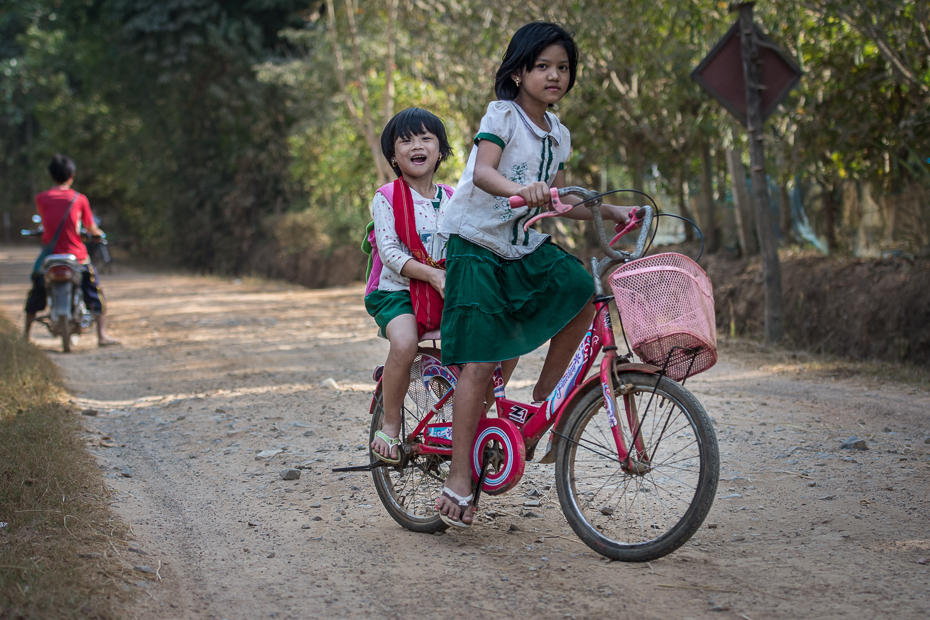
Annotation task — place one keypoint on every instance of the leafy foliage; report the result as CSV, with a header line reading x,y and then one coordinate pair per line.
x,y
204,129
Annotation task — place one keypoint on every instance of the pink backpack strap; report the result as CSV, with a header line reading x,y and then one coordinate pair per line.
x,y
388,192
374,277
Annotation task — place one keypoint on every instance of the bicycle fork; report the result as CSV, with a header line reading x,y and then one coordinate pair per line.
x,y
638,463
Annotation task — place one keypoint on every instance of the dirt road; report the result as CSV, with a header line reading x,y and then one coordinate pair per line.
x,y
212,372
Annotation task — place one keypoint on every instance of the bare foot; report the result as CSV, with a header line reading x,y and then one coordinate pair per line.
x,y
380,446
107,342
451,507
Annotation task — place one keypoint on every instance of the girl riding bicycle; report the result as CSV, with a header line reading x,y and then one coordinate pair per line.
x,y
509,291
414,142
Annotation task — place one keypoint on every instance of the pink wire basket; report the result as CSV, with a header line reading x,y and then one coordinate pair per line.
x,y
666,304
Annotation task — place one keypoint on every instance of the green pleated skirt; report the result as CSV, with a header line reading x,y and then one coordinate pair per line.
x,y
498,309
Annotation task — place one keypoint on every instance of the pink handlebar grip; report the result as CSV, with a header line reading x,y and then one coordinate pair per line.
x,y
558,206
518,201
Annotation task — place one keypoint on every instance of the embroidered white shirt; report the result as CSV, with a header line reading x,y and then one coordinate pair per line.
x,y
530,154
394,254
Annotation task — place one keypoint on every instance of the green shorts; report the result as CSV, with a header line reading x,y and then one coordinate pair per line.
x,y
385,306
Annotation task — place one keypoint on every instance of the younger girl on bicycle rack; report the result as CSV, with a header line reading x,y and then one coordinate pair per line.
x,y
406,299
510,290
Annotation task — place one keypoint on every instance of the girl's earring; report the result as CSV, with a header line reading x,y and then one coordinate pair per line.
x,y
393,163
517,80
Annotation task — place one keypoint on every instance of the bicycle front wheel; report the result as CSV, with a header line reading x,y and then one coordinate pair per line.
x,y
644,510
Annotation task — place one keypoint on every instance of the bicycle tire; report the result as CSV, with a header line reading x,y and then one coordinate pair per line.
x,y
616,515
64,328
409,493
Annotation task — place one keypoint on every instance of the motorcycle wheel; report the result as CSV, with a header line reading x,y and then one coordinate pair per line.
x,y
64,327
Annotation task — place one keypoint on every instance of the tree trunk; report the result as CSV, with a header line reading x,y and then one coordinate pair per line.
x,y
638,165
363,122
787,222
728,235
389,62
590,232
30,158
771,268
742,201
831,208
708,208
683,204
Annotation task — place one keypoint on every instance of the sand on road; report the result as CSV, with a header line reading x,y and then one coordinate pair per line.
x,y
214,371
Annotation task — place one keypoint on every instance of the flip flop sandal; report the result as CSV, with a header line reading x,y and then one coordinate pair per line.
x,y
461,502
391,442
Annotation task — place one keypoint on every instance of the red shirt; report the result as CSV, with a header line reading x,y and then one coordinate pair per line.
x,y
52,206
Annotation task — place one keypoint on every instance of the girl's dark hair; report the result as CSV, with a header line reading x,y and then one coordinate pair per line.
x,y
525,47
413,122
61,168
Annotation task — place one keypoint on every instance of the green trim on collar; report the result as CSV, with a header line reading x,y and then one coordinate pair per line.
x,y
490,137
562,166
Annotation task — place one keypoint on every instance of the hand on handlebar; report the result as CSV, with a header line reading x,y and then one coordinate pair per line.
x,y
632,219
536,194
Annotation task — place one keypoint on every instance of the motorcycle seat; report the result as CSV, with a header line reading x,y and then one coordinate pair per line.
x,y
67,257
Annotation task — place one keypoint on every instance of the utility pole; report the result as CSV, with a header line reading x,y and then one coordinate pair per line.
x,y
751,82
771,268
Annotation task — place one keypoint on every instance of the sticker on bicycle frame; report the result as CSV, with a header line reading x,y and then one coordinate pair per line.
x,y
518,414
610,406
439,432
499,382
607,322
431,367
570,378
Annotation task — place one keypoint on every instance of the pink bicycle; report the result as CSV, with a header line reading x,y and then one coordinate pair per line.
x,y
636,458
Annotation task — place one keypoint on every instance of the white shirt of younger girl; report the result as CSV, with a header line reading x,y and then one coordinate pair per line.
x,y
529,154
394,254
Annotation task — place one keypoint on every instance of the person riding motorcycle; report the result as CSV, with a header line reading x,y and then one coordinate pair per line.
x,y
53,205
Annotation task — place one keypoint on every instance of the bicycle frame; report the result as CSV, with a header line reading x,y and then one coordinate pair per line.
x,y
534,420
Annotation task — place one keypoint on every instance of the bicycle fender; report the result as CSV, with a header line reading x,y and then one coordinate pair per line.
x,y
649,369
592,382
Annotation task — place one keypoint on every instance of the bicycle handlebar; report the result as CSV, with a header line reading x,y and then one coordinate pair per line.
x,y
593,200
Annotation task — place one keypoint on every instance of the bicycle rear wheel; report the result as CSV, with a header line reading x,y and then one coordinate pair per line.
x,y
646,511
409,491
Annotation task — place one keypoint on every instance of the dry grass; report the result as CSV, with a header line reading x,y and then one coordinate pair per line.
x,y
58,544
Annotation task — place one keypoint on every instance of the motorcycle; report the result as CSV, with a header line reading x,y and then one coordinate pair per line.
x,y
68,315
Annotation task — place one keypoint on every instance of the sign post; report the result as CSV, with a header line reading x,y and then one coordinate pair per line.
x,y
750,76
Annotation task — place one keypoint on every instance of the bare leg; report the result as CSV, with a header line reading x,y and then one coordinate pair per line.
x,y
103,339
561,348
30,319
402,334
466,412
507,368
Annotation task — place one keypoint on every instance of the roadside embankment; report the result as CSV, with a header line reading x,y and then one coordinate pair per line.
x,y
58,539
855,308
